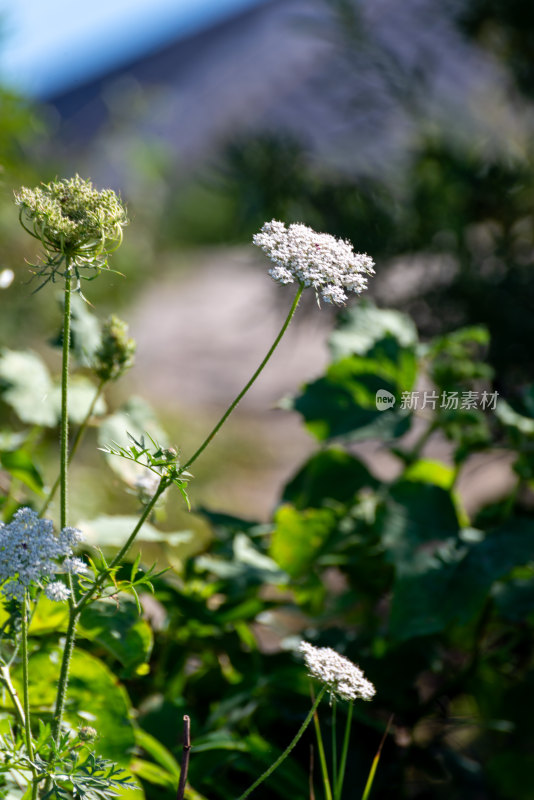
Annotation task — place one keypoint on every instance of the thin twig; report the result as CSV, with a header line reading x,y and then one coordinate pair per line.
x,y
186,750
312,790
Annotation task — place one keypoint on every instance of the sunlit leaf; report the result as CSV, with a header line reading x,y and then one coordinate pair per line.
x,y
300,536
116,625
26,386
21,466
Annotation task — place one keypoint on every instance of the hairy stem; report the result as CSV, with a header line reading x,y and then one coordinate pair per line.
x,y
64,434
245,389
25,679
26,691
289,748
64,673
77,439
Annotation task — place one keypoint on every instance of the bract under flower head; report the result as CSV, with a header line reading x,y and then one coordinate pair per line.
x,y
341,676
73,219
328,265
30,554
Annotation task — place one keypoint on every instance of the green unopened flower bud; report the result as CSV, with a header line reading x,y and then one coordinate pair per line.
x,y
116,352
87,734
73,219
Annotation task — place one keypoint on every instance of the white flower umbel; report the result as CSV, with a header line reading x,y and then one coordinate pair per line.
x,y
339,675
57,591
75,566
318,260
30,554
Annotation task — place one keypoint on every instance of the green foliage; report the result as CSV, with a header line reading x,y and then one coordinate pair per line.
x,y
436,605
24,377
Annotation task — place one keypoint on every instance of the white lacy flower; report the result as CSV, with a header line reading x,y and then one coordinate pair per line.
x,y
57,591
340,675
328,265
30,553
74,565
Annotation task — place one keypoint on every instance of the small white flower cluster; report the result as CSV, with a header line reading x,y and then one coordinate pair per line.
x,y
30,553
340,675
319,260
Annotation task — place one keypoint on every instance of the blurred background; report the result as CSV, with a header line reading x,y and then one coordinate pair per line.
x,y
404,127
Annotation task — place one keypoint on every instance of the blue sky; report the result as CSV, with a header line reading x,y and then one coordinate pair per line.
x,y
50,45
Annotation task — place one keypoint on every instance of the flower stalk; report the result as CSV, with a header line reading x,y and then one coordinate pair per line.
x,y
75,444
64,432
245,389
288,749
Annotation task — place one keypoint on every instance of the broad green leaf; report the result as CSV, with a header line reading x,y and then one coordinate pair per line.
x,y
415,518
247,564
49,617
515,599
344,402
300,536
360,328
20,465
85,330
153,773
26,386
421,603
95,698
427,471
453,585
331,474
113,530
81,394
157,751
453,359
116,625
511,419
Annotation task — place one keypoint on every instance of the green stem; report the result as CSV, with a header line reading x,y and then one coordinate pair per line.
x,y
64,673
243,392
5,677
26,692
334,744
322,758
74,615
77,439
64,435
25,679
338,785
374,765
78,608
288,749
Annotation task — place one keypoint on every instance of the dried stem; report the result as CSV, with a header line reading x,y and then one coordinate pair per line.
x,y
186,751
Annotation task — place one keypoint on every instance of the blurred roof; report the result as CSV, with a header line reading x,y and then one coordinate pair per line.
x,y
291,67
48,47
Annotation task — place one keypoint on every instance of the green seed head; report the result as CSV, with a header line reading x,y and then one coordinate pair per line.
x,y
72,218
